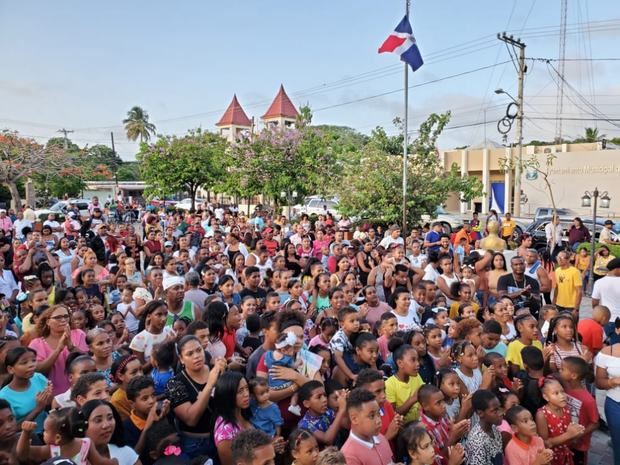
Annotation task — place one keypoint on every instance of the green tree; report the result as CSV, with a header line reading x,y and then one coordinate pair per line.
x,y
21,158
128,171
175,163
592,135
137,125
372,184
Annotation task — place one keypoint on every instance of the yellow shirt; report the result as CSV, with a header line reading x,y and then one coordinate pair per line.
x,y
121,403
397,393
513,355
566,283
508,228
582,263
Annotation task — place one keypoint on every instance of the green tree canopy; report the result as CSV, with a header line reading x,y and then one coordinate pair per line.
x,y
372,183
173,163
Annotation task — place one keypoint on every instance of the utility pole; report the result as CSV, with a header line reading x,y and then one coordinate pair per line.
x,y
522,69
115,166
65,132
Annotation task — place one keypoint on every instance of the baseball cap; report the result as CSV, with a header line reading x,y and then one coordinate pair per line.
x,y
168,244
613,264
609,222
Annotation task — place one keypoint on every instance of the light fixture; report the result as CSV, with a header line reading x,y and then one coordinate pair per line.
x,y
295,194
605,200
282,194
586,200
499,91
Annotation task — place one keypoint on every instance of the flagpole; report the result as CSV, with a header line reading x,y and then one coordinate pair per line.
x,y
405,138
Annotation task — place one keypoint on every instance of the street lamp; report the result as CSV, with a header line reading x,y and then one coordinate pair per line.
x,y
504,126
289,196
586,202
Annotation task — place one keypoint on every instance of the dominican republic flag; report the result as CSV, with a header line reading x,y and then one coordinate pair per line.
x,y
402,42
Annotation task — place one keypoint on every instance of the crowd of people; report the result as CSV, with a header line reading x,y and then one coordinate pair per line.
x,y
215,336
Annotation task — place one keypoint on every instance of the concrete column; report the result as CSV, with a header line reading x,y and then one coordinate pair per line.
x,y
486,181
464,171
508,179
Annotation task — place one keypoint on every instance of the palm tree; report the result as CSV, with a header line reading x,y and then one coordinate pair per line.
x,y
592,135
137,125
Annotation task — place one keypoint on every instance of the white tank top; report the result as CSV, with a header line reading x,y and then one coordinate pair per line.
x,y
531,271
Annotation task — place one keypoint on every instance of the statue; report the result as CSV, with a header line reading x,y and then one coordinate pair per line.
x,y
492,241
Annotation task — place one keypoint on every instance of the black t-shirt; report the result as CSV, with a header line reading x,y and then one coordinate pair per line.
x,y
510,284
259,294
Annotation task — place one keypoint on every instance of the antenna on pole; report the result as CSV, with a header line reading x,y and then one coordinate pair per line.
x,y
65,132
559,107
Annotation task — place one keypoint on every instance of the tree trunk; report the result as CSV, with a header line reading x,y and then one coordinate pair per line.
x,y
16,199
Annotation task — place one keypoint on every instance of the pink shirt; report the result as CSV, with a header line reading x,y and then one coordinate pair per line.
x,y
359,452
57,373
518,452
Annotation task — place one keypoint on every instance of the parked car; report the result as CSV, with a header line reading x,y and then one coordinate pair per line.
x,y
186,204
453,222
316,205
61,208
547,212
537,230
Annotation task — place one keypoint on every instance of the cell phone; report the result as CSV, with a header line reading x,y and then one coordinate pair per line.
x,y
160,403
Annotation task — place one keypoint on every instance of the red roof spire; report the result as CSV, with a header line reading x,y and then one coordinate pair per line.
x,y
281,106
234,115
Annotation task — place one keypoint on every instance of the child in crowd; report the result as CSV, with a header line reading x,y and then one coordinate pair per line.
x,y
266,415
365,355
303,447
319,419
484,441
592,331
124,370
401,389
348,318
527,335
283,356
490,338
363,410
155,331
530,396
326,364
77,365
562,341
387,328
554,424
127,308
252,340
328,328
391,422
434,346
420,450
525,447
90,386
573,374
547,313
468,371
61,428
163,360
444,432
28,392
145,411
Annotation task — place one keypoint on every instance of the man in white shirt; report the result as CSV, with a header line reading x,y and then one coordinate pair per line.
x,y
19,224
553,232
392,238
607,289
55,225
605,236
417,258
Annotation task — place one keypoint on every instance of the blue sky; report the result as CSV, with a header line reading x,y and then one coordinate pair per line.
x,y
81,65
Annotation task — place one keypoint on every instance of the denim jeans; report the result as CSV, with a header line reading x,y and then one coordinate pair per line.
x,y
612,413
197,446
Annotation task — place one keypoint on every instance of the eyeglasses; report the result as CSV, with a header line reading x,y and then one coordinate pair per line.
x,y
60,317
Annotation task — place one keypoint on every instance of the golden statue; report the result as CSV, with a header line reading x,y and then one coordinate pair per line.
x,y
492,241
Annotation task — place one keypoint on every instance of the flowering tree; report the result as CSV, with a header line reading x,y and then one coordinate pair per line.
x,y
21,158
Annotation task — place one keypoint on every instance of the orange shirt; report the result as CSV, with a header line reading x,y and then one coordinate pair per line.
x,y
591,334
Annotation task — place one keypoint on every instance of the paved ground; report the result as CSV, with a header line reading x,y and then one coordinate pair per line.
x,y
600,448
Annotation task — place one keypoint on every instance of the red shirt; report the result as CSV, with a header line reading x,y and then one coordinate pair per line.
x,y
229,340
387,415
582,406
440,431
591,334
272,246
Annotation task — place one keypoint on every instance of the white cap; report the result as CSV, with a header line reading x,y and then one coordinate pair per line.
x,y
172,281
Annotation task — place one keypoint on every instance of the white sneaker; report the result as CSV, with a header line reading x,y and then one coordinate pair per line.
x,y
295,410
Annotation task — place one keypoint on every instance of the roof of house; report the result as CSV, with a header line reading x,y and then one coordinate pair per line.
x,y
281,106
234,115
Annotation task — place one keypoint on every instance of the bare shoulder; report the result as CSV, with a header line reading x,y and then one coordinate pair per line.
x,y
609,350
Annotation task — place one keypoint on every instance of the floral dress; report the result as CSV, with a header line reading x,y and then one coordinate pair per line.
x,y
558,426
224,431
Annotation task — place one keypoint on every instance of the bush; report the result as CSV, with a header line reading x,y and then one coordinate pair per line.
x,y
613,249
